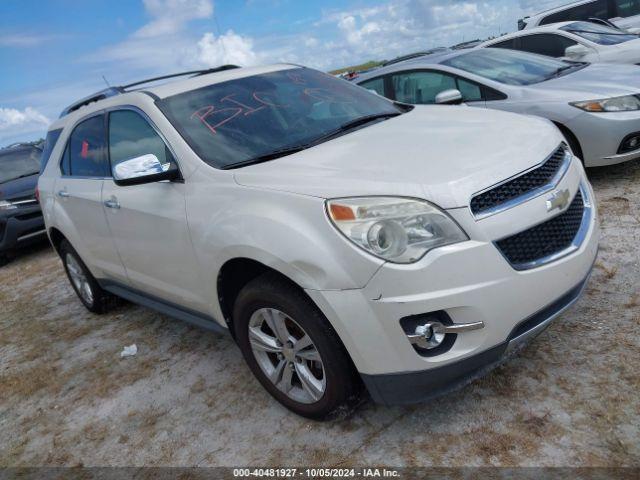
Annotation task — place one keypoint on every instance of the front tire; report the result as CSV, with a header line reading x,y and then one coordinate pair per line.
x,y
292,350
92,296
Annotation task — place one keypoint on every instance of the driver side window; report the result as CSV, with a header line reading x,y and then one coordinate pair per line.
x,y
131,136
421,87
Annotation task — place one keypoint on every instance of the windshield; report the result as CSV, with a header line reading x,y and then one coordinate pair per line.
x,y
599,34
19,163
236,122
512,67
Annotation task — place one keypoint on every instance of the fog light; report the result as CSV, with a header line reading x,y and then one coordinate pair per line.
x,y
431,334
630,143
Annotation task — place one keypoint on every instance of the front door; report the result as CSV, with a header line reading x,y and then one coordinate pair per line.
x,y
148,221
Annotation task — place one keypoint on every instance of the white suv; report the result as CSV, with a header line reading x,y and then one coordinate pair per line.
x,y
622,13
339,237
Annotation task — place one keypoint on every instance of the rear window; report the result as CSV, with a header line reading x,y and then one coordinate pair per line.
x,y
18,163
233,123
49,144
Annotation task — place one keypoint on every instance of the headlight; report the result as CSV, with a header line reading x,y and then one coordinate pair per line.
x,y
4,205
617,104
396,229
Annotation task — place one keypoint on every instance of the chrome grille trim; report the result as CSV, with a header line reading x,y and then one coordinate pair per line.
x,y
531,194
577,242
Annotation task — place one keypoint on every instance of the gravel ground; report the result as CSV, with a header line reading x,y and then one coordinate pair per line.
x,y
66,398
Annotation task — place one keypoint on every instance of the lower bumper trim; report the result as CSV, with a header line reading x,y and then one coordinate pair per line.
x,y
415,387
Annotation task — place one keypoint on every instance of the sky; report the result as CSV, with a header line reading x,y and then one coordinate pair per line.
x,y
53,52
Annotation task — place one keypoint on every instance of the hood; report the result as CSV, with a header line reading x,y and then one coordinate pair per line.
x,y
20,188
443,154
596,81
627,52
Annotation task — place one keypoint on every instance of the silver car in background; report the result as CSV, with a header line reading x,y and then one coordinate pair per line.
x,y
596,106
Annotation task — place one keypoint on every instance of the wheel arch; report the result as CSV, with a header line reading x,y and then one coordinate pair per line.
x,y
237,272
573,141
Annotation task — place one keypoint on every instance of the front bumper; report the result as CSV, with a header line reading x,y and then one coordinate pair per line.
x,y
470,282
600,136
413,387
20,226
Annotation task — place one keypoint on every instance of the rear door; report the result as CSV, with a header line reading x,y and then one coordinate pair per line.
x,y
78,194
148,221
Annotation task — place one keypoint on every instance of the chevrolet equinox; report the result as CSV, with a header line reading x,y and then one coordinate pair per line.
x,y
346,242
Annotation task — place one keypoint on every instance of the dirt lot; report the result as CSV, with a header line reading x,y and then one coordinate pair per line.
x,y
66,398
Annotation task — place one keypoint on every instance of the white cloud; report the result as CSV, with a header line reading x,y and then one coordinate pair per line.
x,y
20,40
26,124
229,48
170,16
11,118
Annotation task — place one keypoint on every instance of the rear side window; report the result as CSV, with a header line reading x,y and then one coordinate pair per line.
x,y
596,9
131,136
377,85
547,44
511,43
628,8
49,143
87,156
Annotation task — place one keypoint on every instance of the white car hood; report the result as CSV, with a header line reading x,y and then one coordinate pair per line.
x,y
596,81
627,52
438,153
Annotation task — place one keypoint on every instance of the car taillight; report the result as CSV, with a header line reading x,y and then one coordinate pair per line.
x,y
37,194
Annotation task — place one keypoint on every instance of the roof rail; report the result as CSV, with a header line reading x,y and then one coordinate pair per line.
x,y
94,97
113,91
414,55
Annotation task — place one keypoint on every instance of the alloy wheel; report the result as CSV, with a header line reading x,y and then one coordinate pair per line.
x,y
79,278
287,355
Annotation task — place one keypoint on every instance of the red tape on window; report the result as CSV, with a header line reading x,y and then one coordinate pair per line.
x,y
84,153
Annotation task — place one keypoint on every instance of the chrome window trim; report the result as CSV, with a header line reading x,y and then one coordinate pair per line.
x,y
530,195
577,242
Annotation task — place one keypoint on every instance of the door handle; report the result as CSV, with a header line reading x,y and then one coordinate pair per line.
x,y
63,194
112,203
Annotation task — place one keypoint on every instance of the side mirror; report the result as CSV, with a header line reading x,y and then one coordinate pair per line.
x,y
144,169
449,97
576,52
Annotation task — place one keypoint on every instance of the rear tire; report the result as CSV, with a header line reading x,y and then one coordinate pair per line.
x,y
4,260
304,366
92,296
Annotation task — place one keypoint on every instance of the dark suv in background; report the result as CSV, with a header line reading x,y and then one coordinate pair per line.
x,y
20,216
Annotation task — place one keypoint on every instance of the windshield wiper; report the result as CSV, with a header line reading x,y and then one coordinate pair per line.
x,y
269,156
558,72
341,130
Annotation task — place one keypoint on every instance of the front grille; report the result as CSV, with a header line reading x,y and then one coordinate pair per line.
x,y
520,185
545,239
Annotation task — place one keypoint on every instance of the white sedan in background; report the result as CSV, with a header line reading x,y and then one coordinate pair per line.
x,y
579,41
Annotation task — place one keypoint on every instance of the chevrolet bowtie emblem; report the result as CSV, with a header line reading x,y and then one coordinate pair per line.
x,y
558,199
